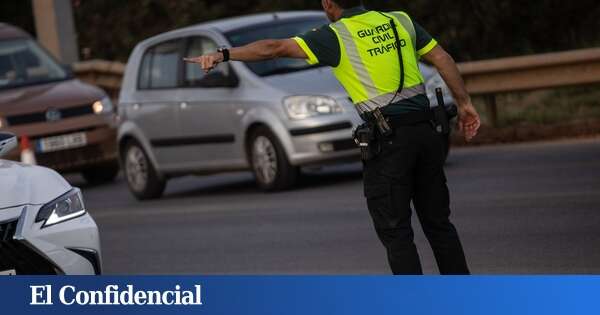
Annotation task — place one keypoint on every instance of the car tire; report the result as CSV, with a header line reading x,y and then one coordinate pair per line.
x,y
101,174
142,179
270,165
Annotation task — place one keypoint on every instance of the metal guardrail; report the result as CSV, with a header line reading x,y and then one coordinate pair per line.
x,y
486,78
553,70
533,72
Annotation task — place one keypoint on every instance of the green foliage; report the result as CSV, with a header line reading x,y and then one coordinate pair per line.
x,y
482,29
469,29
113,27
18,12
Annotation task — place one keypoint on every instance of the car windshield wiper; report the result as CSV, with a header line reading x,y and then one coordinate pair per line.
x,y
284,70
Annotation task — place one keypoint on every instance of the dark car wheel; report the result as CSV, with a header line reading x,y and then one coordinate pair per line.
x,y
270,165
101,174
140,174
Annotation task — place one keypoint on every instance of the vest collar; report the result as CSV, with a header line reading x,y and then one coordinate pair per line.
x,y
348,13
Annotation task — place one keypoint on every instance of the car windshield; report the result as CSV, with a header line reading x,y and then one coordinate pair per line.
x,y
276,30
23,62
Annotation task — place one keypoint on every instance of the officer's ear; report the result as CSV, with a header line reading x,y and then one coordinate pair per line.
x,y
330,9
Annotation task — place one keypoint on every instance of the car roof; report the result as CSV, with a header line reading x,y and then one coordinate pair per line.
x,y
231,24
9,31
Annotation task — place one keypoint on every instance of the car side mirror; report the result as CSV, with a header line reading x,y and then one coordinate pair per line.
x,y
8,142
221,77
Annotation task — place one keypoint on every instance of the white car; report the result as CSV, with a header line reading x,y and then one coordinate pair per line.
x,y
44,227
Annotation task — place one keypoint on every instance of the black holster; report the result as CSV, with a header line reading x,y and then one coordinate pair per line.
x,y
365,137
441,120
441,115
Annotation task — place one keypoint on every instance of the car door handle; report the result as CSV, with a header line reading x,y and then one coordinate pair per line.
x,y
183,105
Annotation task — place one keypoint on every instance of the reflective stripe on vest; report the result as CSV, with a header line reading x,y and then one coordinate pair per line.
x,y
368,68
385,99
409,27
407,24
356,61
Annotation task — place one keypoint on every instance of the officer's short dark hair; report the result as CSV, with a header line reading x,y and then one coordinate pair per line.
x,y
347,4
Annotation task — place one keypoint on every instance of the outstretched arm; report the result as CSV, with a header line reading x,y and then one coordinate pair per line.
x,y
469,121
257,51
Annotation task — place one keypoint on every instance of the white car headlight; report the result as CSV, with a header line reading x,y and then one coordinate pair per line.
x,y
63,208
103,106
301,107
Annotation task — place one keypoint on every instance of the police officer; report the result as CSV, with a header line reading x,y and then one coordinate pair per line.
x,y
375,56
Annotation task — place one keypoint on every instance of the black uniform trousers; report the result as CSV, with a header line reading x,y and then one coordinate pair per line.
x,y
410,168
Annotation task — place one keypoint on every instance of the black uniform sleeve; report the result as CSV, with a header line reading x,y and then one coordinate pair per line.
x,y
322,44
425,42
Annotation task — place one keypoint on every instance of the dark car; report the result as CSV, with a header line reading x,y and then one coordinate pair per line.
x,y
70,124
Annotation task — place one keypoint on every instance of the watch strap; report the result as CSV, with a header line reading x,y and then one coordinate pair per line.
x,y
225,53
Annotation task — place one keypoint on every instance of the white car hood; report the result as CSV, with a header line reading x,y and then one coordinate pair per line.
x,y
22,184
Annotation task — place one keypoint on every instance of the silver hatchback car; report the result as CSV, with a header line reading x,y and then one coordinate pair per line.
x,y
271,117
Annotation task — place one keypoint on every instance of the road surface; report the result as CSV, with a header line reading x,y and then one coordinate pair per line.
x,y
520,209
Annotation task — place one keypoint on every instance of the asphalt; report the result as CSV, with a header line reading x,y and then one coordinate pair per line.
x,y
530,208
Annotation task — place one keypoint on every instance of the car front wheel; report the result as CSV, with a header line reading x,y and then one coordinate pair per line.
x,y
141,176
270,165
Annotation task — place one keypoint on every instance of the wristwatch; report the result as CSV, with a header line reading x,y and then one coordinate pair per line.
x,y
225,53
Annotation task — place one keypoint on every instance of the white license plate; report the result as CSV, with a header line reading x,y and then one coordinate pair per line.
x,y
70,141
8,273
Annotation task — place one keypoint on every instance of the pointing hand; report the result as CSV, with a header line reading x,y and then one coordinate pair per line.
x,y
206,62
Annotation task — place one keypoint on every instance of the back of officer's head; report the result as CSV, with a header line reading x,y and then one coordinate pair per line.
x,y
347,4
334,8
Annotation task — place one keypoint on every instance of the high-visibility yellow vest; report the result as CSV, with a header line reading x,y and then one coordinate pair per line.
x,y
369,68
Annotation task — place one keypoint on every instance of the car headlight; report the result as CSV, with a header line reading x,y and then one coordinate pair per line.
x,y
301,107
103,106
63,208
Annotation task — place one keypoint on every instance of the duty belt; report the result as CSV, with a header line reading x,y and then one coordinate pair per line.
x,y
412,118
368,135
